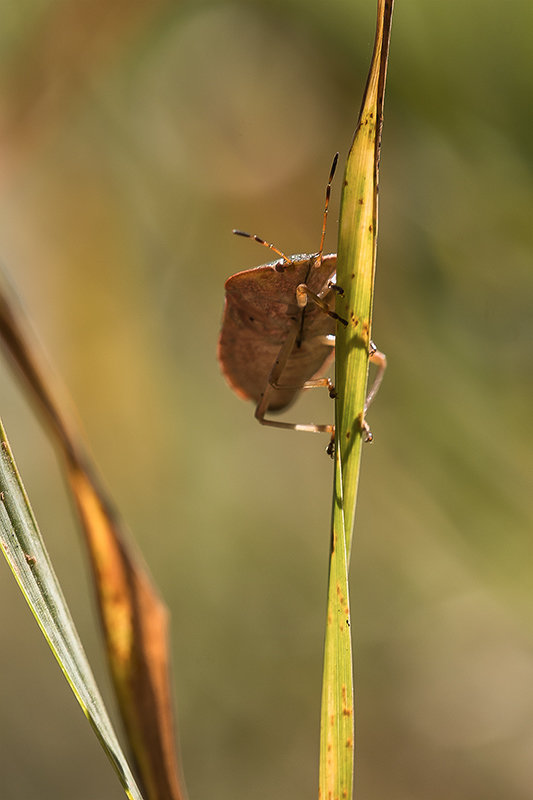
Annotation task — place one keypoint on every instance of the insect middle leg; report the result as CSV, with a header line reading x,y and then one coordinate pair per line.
x,y
313,383
303,294
376,357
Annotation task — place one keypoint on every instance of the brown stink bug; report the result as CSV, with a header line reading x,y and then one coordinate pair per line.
x,y
278,330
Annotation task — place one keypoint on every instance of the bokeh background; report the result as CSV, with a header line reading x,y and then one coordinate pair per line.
x,y
134,136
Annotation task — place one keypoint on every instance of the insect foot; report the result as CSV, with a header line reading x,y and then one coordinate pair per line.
x,y
336,288
367,432
330,449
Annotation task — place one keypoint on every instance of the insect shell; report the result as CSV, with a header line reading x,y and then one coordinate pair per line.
x,y
262,314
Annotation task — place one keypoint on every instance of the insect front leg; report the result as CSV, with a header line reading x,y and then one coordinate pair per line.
x,y
304,294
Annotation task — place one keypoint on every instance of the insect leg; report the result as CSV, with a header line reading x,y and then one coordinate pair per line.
x,y
380,360
295,426
327,339
310,427
376,357
314,383
304,294
331,285
273,378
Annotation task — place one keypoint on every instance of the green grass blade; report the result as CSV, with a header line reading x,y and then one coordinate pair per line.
x,y
25,553
337,725
355,275
355,271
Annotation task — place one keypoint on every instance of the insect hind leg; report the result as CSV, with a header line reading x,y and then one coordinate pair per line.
x,y
380,360
273,383
309,427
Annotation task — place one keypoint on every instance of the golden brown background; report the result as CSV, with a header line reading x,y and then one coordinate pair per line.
x,y
134,136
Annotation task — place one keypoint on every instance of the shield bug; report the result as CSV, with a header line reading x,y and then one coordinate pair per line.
x,y
278,330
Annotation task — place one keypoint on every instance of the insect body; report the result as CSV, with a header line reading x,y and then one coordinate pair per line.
x,y
271,347
278,330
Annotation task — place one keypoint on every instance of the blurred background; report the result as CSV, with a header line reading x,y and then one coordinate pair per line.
x,y
134,136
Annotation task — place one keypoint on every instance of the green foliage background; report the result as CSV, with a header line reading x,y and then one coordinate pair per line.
x,y
134,136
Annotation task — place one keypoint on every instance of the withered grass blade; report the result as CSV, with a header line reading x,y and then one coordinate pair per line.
x,y
133,616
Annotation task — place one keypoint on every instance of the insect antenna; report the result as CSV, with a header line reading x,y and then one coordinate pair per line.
x,y
326,205
258,239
